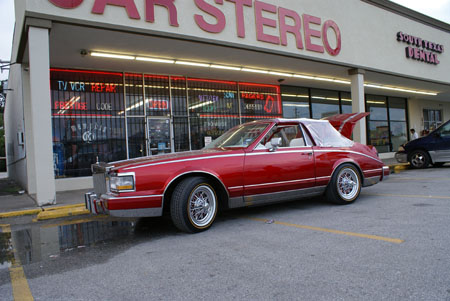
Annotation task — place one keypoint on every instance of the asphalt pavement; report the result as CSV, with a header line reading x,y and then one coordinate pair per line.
x,y
391,244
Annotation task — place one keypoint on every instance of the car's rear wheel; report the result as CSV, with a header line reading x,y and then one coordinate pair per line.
x,y
194,205
419,159
345,185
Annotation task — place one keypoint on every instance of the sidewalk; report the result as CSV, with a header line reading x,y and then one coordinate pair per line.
x,y
69,203
15,202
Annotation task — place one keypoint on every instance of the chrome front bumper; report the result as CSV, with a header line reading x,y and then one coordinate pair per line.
x,y
94,204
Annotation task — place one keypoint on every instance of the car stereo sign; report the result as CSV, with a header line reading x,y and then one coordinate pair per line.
x,y
273,24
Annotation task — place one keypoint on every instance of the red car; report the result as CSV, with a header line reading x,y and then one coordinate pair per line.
x,y
259,162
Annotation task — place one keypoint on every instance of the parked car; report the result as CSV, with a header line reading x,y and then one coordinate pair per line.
x,y
433,148
256,163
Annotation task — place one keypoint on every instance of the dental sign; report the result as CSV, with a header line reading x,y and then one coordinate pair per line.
x,y
310,32
420,49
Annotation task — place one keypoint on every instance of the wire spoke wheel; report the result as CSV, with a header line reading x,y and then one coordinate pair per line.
x,y
345,185
194,205
348,184
202,205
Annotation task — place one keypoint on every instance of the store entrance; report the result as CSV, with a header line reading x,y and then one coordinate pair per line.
x,y
159,136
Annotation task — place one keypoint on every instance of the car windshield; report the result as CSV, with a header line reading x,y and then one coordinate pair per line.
x,y
240,136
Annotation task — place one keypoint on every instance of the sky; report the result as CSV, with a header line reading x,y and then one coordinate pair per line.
x,y
438,9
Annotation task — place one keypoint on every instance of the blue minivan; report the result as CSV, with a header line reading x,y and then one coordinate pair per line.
x,y
431,149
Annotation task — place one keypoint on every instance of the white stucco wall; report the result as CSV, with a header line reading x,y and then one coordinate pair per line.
x,y
14,120
368,32
416,106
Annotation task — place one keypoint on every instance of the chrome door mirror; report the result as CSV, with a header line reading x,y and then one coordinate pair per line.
x,y
275,142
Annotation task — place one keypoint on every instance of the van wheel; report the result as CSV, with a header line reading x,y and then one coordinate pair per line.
x,y
419,159
345,185
194,205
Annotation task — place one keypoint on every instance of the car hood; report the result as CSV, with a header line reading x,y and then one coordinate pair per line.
x,y
167,157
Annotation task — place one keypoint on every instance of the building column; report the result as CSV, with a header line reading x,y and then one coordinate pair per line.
x,y
358,104
40,107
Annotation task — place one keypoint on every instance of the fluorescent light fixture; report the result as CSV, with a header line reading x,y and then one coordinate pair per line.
x,y
295,95
155,60
226,67
376,102
399,89
295,105
255,70
304,76
113,56
192,64
280,74
200,105
324,79
245,69
341,81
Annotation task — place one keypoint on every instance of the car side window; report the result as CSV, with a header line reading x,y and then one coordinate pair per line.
x,y
291,136
444,131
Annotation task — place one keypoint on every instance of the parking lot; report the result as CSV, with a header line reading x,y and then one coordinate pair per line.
x,y
392,244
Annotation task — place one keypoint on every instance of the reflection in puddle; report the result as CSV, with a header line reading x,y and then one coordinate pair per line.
x,y
6,250
40,243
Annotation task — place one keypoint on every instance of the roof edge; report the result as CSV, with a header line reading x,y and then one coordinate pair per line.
x,y
409,13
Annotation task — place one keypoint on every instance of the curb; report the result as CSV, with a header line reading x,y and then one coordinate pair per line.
x,y
19,213
63,211
49,213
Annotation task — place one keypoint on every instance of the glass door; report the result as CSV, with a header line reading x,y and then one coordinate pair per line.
x,y
159,136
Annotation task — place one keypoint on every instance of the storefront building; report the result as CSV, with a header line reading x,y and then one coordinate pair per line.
x,y
135,78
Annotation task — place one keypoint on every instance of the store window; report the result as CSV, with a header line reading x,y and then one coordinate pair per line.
x,y
295,102
107,116
378,125
87,120
324,103
397,122
213,109
432,119
300,102
387,126
346,102
259,101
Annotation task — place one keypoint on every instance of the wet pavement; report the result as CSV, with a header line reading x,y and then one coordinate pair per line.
x,y
392,244
42,242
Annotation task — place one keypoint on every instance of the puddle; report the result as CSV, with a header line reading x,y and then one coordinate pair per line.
x,y
45,242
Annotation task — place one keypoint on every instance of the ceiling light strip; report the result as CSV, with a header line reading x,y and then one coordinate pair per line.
x,y
245,69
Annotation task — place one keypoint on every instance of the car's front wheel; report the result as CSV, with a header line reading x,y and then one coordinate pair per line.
x,y
345,185
419,159
194,205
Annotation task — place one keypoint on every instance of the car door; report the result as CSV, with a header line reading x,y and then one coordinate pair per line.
x,y
442,143
275,175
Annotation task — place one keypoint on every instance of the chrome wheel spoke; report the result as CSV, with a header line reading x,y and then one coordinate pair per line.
x,y
202,205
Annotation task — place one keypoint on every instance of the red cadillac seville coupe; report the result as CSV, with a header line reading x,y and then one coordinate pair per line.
x,y
259,162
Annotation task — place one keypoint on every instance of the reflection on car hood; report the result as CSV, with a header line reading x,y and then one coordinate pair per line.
x,y
164,157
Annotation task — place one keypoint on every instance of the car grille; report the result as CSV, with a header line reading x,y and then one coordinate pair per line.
x,y
100,186
100,178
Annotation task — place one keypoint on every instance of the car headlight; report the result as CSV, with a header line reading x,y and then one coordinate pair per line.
x,y
121,182
401,148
